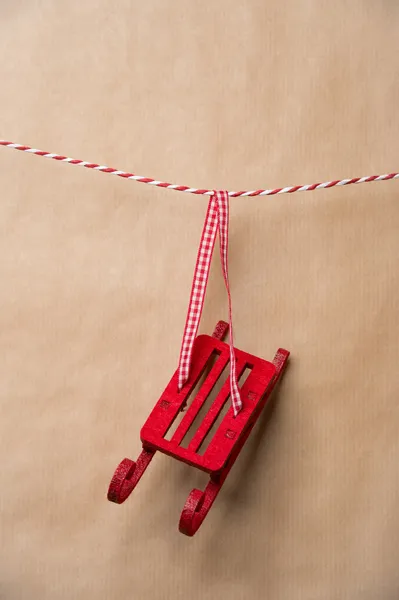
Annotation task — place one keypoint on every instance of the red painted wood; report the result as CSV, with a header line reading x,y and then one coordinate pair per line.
x,y
214,411
202,394
126,477
199,503
227,441
220,330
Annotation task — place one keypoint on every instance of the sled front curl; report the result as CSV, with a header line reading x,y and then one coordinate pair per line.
x,y
228,439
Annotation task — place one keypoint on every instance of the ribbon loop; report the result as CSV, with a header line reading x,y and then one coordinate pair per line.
x,y
216,221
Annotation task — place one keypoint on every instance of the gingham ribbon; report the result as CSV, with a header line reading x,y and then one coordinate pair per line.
x,y
217,220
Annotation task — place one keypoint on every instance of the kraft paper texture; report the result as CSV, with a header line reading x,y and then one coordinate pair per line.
x,y
95,278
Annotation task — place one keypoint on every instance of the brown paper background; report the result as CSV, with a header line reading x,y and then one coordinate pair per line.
x,y
95,276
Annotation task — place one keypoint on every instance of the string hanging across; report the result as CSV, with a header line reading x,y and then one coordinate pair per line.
x,y
197,191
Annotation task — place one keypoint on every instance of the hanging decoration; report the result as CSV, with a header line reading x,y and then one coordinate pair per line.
x,y
219,434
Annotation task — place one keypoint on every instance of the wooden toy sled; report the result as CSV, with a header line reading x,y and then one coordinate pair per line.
x,y
226,440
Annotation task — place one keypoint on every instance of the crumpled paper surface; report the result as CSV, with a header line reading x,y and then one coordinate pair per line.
x,y
96,272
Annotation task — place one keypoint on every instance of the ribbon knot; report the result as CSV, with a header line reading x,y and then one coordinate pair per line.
x,y
216,221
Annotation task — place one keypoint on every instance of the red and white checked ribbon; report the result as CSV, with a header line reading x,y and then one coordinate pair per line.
x,y
216,220
197,191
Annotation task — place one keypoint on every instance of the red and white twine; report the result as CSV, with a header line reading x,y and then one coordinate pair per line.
x,y
190,190
217,220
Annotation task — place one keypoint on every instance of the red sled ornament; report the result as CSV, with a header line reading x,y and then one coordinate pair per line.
x,y
228,439
228,433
